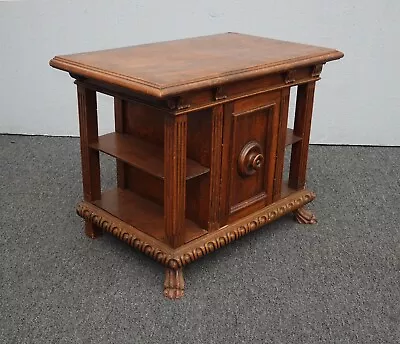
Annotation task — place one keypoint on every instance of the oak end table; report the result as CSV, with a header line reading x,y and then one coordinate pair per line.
x,y
199,141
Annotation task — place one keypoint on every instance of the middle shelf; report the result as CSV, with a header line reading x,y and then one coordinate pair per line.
x,y
291,138
141,154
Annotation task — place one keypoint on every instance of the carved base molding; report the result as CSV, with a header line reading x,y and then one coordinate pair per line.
x,y
177,258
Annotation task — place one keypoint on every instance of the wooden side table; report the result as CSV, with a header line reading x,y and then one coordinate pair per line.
x,y
199,141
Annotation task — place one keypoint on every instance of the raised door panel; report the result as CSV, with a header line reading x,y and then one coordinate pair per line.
x,y
251,134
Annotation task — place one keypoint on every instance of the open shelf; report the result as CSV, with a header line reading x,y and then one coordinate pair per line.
x,y
143,214
141,154
291,137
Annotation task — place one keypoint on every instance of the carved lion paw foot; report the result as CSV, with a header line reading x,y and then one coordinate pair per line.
x,y
174,284
305,216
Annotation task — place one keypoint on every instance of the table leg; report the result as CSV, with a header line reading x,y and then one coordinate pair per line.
x,y
87,108
298,163
280,151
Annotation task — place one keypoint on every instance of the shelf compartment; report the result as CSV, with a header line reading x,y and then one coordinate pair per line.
x,y
141,154
143,214
286,190
291,137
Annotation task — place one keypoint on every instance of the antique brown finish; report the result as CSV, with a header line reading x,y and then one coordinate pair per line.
x,y
194,249
302,128
87,106
141,154
119,110
174,283
199,141
305,216
156,69
250,159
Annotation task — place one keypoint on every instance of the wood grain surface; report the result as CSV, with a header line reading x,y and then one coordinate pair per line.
x,y
168,68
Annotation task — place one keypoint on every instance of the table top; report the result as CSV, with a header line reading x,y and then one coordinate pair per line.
x,y
169,68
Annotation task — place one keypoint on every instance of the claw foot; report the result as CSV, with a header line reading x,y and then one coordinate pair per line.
x,y
174,284
305,216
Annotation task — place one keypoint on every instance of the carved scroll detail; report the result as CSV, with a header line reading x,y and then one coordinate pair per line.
x,y
177,103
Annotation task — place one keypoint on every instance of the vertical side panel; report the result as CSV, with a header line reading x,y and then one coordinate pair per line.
x,y
280,154
302,128
175,140
88,129
146,123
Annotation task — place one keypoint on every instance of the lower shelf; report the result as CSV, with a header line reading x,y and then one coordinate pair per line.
x,y
286,190
142,214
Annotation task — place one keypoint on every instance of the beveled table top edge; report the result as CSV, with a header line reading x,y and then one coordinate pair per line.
x,y
136,84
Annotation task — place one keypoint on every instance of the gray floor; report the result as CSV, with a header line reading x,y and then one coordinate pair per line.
x,y
335,282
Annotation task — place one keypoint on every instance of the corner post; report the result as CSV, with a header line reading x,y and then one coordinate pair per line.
x,y
87,108
119,115
280,151
302,128
175,143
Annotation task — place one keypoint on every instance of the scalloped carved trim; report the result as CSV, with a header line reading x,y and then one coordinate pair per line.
x,y
235,233
198,248
123,232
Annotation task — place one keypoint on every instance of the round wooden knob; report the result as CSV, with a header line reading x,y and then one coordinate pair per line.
x,y
256,161
250,159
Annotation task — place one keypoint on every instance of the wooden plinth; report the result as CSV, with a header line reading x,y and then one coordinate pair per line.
x,y
197,245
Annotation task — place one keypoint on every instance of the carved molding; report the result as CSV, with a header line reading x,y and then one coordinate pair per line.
x,y
123,232
316,71
270,215
177,103
219,94
202,246
290,76
77,77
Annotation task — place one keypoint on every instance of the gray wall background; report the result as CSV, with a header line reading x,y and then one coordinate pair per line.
x,y
357,100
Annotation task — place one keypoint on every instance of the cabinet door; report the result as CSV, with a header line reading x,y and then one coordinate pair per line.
x,y
249,153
